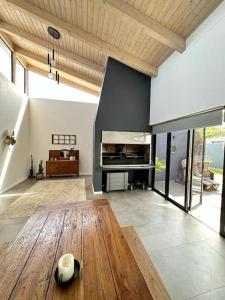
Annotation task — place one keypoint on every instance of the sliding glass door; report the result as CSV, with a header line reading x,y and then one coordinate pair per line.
x,y
178,166
190,172
207,175
197,168
160,162
171,160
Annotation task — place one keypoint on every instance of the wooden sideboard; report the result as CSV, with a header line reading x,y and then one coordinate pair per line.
x,y
57,165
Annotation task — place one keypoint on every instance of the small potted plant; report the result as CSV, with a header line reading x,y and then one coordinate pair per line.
x,y
72,154
40,174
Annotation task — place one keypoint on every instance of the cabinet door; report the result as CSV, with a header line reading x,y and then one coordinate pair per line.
x,y
69,167
51,168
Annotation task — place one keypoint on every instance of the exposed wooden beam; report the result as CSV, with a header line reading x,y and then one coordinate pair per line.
x,y
154,29
78,33
63,80
7,40
22,61
15,31
81,79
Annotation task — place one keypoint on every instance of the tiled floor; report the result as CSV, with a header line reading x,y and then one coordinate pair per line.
x,y
188,255
9,228
209,212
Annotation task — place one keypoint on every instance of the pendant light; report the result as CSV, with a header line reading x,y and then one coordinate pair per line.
x,y
53,54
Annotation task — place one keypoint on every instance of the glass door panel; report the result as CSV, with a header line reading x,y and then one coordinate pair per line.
x,y
160,162
178,166
206,205
197,168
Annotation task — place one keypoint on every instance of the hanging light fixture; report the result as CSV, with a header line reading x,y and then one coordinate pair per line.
x,y
53,53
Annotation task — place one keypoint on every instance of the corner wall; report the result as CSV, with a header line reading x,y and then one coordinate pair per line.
x,y
124,106
34,121
14,115
61,117
194,80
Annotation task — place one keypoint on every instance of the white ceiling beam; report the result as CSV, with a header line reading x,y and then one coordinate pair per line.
x,y
79,78
78,33
152,28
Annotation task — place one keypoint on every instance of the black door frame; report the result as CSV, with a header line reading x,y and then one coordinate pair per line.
x,y
154,141
191,170
222,214
168,155
186,207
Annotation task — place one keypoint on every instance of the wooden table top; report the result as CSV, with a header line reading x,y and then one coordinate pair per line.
x,y
88,230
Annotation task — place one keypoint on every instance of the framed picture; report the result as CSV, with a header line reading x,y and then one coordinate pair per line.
x,y
63,139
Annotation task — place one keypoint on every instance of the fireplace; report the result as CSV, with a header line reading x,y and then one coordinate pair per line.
x,y
125,149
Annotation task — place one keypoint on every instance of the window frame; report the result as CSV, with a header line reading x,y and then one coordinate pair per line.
x,y
24,73
167,177
11,57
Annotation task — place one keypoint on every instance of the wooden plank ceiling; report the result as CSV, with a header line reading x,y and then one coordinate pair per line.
x,y
139,33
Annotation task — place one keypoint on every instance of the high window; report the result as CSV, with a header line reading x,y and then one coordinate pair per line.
x,y
43,87
5,60
20,76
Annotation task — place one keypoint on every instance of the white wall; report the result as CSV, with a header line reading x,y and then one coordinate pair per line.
x,y
194,80
14,115
65,117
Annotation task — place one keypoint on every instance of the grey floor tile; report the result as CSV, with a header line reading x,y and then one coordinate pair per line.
x,y
218,244
218,294
5,202
9,228
163,240
189,270
150,229
192,233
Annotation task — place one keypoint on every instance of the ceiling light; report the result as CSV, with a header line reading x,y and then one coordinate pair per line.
x,y
50,75
53,53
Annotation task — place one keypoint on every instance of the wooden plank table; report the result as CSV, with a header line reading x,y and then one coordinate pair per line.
x,y
88,230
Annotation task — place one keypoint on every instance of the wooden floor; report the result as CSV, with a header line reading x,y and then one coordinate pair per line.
x,y
114,264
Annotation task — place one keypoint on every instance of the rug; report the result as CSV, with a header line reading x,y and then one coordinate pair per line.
x,y
46,192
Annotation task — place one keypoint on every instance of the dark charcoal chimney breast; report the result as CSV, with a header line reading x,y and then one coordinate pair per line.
x,y
124,106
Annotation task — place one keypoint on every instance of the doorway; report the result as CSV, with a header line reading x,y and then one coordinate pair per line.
x,y
160,162
189,172
207,175
178,166
171,166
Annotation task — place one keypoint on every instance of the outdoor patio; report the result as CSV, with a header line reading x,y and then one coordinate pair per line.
x,y
209,211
